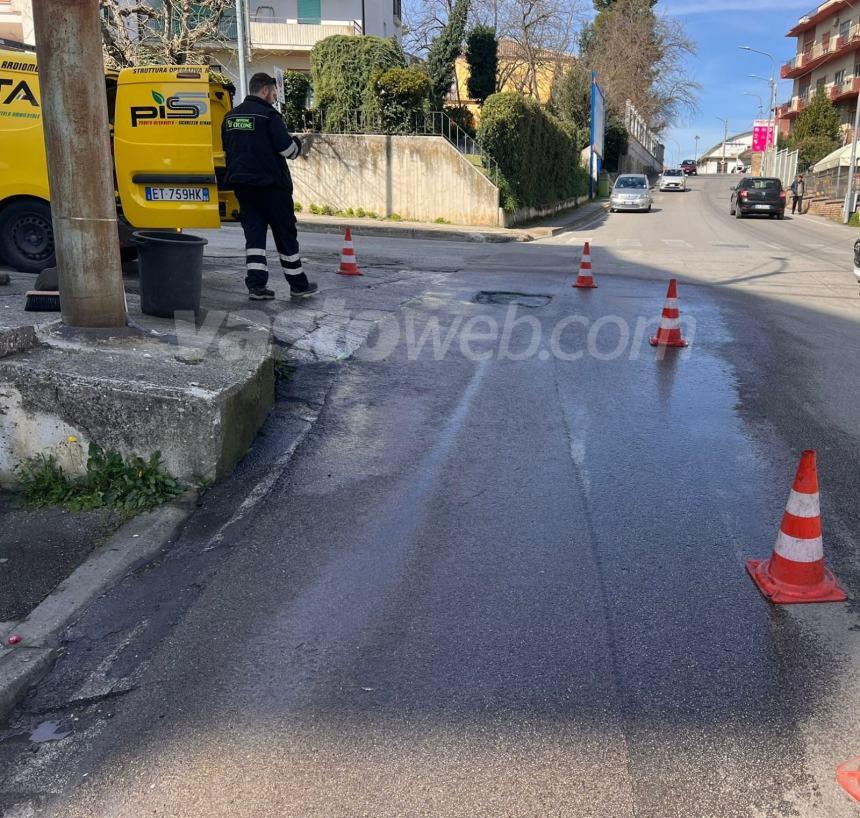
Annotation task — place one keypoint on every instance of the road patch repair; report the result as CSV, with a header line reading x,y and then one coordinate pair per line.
x,y
506,298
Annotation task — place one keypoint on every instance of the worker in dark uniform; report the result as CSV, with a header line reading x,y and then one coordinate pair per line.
x,y
258,144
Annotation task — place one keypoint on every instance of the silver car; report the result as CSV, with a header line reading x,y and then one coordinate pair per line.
x,y
672,179
631,191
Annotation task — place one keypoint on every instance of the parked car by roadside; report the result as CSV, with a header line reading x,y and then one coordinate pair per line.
x,y
760,197
672,179
689,167
631,191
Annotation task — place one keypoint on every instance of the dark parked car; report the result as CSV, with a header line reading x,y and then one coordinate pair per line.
x,y
758,197
689,167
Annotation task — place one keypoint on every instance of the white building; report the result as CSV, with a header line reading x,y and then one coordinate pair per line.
x,y
16,21
738,150
280,32
283,32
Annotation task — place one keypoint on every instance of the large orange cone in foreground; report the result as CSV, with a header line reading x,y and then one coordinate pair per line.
x,y
669,334
584,280
796,571
848,776
348,263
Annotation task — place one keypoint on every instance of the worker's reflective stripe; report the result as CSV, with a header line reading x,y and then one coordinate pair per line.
x,y
290,152
255,251
255,265
296,257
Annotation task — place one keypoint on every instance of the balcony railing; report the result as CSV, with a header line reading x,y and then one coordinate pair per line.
x,y
819,53
273,33
843,90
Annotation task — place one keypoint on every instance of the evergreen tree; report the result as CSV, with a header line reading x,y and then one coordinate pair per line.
x,y
482,55
444,51
816,133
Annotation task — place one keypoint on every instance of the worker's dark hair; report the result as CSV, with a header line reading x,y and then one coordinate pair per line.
x,y
259,82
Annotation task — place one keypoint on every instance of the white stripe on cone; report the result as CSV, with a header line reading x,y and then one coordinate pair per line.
x,y
803,505
671,303
797,550
670,323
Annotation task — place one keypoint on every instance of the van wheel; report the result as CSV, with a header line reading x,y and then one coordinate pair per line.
x,y
26,235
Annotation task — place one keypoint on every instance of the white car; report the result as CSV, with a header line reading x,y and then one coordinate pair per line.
x,y
672,179
631,191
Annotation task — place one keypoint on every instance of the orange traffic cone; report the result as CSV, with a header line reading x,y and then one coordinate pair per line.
x,y
584,281
669,334
348,263
848,776
796,571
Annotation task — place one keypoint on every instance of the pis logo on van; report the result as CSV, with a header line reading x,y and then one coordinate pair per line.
x,y
185,105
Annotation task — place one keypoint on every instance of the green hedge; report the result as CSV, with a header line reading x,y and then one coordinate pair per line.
x,y
537,154
402,94
343,70
296,88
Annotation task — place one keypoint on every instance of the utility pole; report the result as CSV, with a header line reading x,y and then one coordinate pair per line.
x,y
80,168
852,168
725,139
241,40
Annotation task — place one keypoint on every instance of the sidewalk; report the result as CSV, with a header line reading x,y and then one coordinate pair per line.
x,y
539,229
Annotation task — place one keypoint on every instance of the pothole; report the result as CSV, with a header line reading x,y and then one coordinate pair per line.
x,y
505,298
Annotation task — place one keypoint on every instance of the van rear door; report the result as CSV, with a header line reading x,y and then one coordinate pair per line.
x,y
163,156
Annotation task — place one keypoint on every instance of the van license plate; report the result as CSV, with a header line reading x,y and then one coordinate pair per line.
x,y
177,194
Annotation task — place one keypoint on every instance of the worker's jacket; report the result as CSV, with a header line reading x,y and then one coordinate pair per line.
x,y
258,144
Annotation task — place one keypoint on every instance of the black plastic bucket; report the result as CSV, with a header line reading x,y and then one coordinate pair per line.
x,y
171,272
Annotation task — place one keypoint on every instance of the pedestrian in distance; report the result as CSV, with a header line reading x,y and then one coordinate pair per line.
x,y
258,144
798,189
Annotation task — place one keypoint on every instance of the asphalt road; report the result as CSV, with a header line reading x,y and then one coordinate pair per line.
x,y
512,583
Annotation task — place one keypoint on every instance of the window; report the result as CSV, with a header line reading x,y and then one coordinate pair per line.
x,y
845,29
857,69
398,9
819,84
839,77
310,12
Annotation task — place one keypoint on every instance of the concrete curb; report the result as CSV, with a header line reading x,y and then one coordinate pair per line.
x,y
140,539
394,230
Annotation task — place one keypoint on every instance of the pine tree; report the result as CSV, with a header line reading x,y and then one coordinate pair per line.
x,y
444,52
482,55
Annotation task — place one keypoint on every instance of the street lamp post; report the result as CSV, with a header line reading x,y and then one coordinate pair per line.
x,y
241,40
760,103
725,139
696,158
772,115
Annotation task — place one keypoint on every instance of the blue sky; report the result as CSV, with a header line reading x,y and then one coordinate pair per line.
x,y
719,27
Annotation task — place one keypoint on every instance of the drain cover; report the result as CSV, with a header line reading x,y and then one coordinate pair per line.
x,y
520,299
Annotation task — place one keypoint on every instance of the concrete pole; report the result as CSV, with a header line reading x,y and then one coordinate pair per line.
x,y
80,166
852,168
241,51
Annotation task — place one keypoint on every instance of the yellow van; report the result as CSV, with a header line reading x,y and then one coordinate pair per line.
x,y
167,154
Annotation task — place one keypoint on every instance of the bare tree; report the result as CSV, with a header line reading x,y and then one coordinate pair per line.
x,y
641,56
537,38
172,32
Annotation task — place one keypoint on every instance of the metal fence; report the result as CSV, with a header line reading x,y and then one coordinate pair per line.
x,y
432,123
781,165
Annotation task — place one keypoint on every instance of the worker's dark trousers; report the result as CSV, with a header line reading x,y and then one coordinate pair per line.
x,y
261,208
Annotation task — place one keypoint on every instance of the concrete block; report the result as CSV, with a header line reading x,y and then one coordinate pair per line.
x,y
197,399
